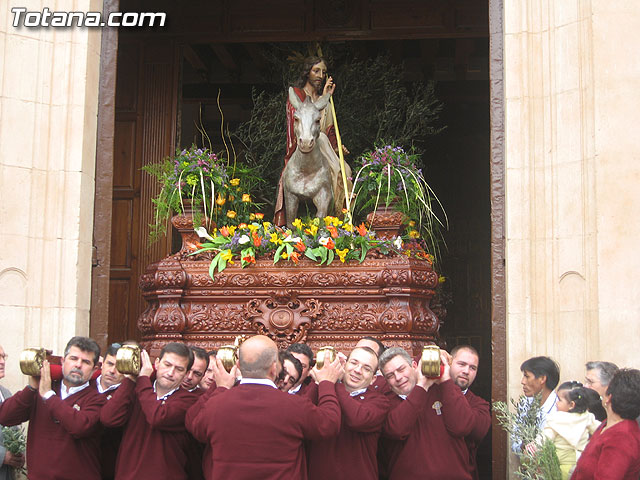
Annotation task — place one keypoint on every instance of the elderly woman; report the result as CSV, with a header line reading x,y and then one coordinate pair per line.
x,y
614,449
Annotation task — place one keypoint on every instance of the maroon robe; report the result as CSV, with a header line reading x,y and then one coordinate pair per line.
x,y
206,461
109,445
64,435
257,431
481,424
614,454
352,454
155,441
425,444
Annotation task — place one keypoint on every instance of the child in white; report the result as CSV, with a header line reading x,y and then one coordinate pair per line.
x,y
571,426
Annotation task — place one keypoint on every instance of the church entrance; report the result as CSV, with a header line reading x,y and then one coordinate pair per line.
x,y
167,91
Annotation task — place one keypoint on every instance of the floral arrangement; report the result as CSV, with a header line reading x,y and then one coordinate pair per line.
x,y
390,176
320,240
217,191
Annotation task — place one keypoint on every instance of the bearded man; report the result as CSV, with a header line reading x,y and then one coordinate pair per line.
x,y
63,417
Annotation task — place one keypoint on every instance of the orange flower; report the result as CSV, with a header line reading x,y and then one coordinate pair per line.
x,y
257,240
249,259
231,214
333,231
242,225
330,245
224,231
362,230
300,246
295,256
259,216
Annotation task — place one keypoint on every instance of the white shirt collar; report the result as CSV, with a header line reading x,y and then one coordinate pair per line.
x,y
404,397
258,381
103,390
295,390
358,392
64,392
166,395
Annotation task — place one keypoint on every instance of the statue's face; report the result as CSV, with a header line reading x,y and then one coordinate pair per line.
x,y
317,76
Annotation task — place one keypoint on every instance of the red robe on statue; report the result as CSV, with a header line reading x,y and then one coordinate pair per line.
x,y
279,216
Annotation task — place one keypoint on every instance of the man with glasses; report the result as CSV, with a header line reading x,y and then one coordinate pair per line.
x,y
8,460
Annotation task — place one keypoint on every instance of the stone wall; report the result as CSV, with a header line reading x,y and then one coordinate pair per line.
x,y
572,88
48,112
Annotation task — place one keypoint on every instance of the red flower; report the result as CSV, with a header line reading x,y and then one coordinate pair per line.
x,y
249,259
330,245
300,246
362,230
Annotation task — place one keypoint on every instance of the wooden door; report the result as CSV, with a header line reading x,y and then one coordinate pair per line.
x,y
145,129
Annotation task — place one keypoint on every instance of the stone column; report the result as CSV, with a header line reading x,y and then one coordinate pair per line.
x,y
48,110
572,88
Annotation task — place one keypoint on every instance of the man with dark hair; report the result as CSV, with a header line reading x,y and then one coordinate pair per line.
x,y
110,378
155,442
291,371
108,381
540,376
464,368
207,380
306,385
197,371
352,454
63,418
598,376
429,419
256,431
373,343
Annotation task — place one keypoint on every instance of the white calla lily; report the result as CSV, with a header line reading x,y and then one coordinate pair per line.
x,y
202,233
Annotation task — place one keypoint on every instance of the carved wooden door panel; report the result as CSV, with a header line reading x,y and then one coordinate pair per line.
x,y
145,119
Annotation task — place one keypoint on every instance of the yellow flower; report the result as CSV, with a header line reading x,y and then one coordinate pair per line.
x,y
231,214
227,255
312,230
253,227
348,227
235,182
231,228
329,220
246,197
252,217
297,223
442,279
284,255
412,223
275,239
265,225
220,200
414,234
342,254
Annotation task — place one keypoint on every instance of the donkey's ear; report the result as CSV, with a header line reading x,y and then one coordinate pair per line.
x,y
322,102
293,98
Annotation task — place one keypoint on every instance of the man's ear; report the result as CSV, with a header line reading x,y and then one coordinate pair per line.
x,y
156,363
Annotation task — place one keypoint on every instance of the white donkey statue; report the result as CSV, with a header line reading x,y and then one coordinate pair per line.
x,y
313,171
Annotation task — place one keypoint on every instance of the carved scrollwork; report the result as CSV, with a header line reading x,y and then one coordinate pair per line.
x,y
395,277
428,278
216,317
200,280
345,316
395,317
169,317
170,274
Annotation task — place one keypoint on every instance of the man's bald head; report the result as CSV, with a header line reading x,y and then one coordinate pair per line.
x,y
258,355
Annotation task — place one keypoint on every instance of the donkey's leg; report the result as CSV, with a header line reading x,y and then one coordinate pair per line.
x,y
291,207
322,201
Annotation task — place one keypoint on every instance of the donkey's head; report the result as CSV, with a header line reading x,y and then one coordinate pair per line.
x,y
306,119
